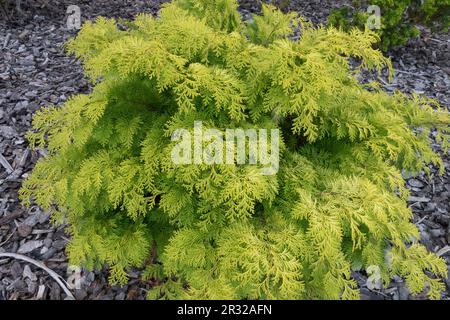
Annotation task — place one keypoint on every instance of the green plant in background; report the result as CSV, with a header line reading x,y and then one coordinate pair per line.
x,y
398,18
225,231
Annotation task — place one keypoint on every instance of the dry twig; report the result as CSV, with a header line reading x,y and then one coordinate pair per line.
x,y
39,264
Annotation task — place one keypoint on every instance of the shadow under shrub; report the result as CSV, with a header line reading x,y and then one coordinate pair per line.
x,y
224,231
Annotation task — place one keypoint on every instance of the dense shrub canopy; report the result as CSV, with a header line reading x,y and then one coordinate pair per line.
x,y
398,18
337,202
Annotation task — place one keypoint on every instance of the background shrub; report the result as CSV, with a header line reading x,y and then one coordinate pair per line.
x,y
398,18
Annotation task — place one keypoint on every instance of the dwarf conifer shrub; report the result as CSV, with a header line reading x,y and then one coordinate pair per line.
x,y
336,204
398,18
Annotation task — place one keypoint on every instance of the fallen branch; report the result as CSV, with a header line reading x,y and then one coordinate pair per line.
x,y
39,264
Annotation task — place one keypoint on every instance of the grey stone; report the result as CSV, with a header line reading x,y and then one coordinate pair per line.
x,y
48,242
20,285
418,199
403,293
29,246
59,244
24,230
120,296
80,294
437,233
49,253
16,270
27,273
415,183
31,286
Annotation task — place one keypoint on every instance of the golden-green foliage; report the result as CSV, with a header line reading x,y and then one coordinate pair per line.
x,y
223,230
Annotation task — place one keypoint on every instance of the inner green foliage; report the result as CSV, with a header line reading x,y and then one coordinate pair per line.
x,y
398,18
338,202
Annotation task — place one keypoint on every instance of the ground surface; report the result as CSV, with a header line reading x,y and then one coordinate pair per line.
x,y
35,72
